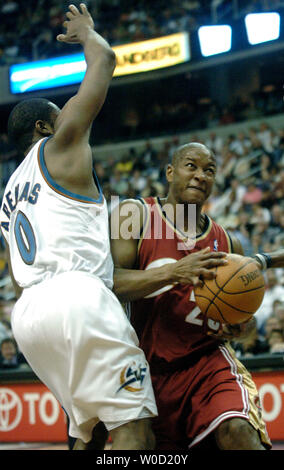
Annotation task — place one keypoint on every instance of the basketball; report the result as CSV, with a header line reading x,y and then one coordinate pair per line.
x,y
235,294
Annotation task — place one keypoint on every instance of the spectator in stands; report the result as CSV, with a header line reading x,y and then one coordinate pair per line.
x,y
260,215
271,323
227,116
278,187
279,232
274,291
279,311
148,158
8,158
276,341
252,345
118,183
253,194
265,137
126,163
137,182
3,331
9,354
276,212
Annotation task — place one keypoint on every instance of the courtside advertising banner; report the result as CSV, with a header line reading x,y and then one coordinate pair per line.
x,y
270,386
30,413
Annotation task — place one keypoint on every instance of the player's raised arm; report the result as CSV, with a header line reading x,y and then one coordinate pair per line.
x,y
75,119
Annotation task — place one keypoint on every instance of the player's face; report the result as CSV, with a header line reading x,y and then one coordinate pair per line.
x,y
192,178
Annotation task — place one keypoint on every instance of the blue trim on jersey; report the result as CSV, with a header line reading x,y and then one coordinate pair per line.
x,y
62,190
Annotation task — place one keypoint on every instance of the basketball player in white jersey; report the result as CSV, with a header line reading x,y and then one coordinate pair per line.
x,y
67,322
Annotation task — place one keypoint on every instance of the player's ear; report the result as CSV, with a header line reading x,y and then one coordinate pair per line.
x,y
43,127
169,173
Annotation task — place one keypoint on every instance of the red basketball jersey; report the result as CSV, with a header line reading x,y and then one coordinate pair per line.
x,y
169,325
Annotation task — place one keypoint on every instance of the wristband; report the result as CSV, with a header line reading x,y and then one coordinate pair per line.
x,y
264,259
268,259
261,258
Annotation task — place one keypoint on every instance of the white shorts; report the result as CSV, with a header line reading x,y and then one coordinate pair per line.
x,y
76,337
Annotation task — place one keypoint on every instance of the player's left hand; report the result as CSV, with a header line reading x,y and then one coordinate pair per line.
x,y
76,24
232,332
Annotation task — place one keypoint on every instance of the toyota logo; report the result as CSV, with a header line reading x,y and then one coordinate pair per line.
x,y
10,409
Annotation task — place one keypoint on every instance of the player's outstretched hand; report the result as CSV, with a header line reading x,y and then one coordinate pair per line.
x,y
195,267
76,25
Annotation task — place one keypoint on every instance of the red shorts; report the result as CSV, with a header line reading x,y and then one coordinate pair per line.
x,y
193,402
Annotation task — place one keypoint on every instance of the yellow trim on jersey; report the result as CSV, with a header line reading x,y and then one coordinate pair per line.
x,y
230,248
247,384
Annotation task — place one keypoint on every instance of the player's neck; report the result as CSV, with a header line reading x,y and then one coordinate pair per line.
x,y
186,218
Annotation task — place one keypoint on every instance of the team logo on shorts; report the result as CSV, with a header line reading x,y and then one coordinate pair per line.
x,y
131,377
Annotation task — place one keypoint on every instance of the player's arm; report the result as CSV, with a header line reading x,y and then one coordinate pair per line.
x,y
130,283
18,290
237,247
68,153
78,114
133,284
264,260
270,260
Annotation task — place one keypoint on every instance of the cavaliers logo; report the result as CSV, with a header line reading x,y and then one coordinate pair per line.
x,y
131,377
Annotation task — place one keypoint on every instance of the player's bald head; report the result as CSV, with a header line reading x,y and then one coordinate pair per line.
x,y
191,148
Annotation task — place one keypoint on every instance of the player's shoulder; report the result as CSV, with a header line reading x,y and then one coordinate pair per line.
x,y
129,211
132,204
234,243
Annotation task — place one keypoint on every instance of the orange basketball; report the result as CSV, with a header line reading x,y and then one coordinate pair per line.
x,y
235,294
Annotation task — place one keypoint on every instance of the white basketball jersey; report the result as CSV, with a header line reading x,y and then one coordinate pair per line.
x,y
51,230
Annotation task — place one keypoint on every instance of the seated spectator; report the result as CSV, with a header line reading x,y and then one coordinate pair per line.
x,y
274,291
227,117
137,181
260,215
276,341
253,194
279,311
118,183
147,159
3,331
10,357
278,187
126,163
251,345
276,212
271,323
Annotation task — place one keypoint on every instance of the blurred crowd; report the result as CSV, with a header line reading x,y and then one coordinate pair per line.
x,y
29,33
166,115
248,198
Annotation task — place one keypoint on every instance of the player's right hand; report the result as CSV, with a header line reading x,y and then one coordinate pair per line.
x,y
76,25
195,267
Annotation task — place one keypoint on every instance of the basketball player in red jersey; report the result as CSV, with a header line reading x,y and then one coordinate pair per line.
x,y
205,396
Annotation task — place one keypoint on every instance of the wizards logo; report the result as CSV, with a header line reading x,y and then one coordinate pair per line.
x,y
131,377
